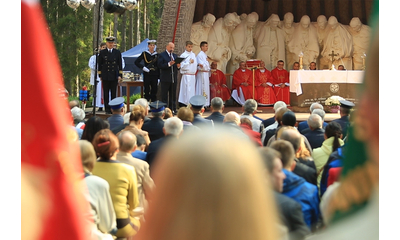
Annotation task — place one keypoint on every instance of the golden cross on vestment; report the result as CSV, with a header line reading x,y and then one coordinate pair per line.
x,y
280,77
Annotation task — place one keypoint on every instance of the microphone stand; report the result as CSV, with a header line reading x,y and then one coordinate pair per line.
x,y
97,56
172,85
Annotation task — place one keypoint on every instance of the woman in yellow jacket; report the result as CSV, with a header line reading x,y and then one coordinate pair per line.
x,y
122,180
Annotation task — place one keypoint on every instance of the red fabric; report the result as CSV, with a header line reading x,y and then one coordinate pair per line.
x,y
281,77
254,136
240,77
50,146
217,79
333,175
265,95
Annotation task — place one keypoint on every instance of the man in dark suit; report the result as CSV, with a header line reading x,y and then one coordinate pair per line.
x,y
217,107
197,103
168,76
155,126
173,128
110,71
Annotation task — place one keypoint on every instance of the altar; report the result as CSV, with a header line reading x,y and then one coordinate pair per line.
x,y
309,86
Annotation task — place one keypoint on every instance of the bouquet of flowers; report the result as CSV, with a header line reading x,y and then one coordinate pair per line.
x,y
333,101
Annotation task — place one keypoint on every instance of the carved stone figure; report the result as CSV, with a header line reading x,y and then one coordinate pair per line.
x,y
361,36
304,40
270,42
320,25
199,31
241,42
288,26
338,40
218,39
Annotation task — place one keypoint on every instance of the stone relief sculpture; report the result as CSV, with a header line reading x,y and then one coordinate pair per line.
x,y
241,42
270,42
288,26
304,40
199,31
218,40
338,40
320,25
361,36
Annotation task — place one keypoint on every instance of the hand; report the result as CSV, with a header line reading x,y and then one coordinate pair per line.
x,y
282,85
200,65
119,79
245,84
191,61
171,62
146,69
264,85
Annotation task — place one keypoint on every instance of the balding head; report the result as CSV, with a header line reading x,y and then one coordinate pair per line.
x,y
127,141
233,117
314,121
293,136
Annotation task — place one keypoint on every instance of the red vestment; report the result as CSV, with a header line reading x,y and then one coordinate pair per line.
x,y
265,95
240,77
281,77
218,87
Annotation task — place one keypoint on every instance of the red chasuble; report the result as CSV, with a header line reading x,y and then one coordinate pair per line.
x,y
218,87
240,77
265,95
280,77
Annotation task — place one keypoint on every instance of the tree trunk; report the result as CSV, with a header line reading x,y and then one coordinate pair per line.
x,y
138,25
123,33
130,38
98,15
116,26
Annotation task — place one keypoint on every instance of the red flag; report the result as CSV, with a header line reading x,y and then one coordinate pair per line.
x,y
51,168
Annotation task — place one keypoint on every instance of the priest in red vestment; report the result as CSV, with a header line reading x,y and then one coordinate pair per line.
x,y
218,87
242,82
280,79
264,87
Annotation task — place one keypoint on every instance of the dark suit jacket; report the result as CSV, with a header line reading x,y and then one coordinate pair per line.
x,y
344,122
155,128
305,170
306,129
217,117
155,146
110,65
149,61
165,71
268,121
315,138
292,217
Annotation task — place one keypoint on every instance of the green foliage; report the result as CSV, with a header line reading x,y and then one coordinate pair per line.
x,y
133,98
72,32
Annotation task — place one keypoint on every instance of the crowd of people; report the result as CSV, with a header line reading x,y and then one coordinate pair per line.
x,y
182,156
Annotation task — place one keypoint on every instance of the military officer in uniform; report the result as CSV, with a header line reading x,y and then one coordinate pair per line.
x,y
147,61
110,71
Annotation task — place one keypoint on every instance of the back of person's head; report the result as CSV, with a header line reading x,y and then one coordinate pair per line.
x,y
279,104
73,103
217,103
320,112
140,141
246,121
289,119
314,121
316,105
88,155
185,114
232,117
105,144
173,126
127,141
78,114
268,155
144,103
168,113
286,150
137,114
273,165
159,114
333,129
200,195
92,126
250,106
279,114
293,136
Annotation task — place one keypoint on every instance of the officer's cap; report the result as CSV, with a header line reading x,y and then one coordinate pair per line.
x,y
117,103
151,42
346,104
157,106
197,101
110,39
